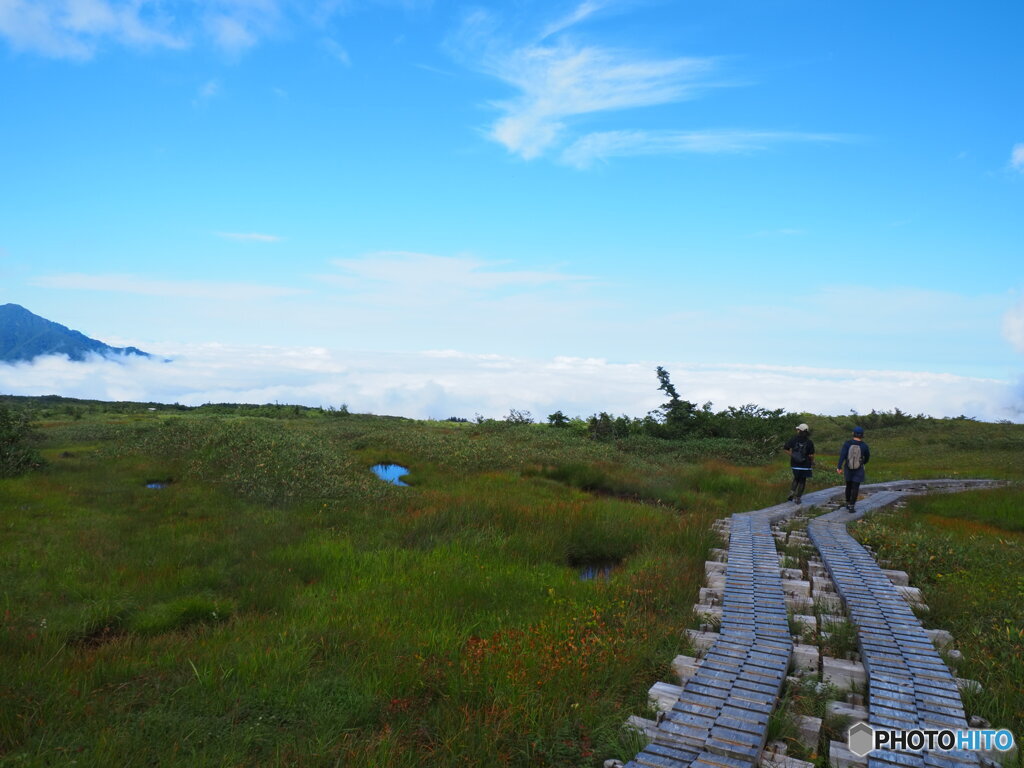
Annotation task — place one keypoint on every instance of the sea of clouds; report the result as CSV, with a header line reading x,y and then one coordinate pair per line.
x,y
441,384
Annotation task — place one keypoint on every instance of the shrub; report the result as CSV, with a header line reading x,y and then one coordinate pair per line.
x,y
16,453
519,418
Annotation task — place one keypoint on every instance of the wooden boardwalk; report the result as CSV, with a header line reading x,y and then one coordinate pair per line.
x,y
721,718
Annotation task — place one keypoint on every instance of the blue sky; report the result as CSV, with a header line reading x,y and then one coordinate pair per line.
x,y
811,189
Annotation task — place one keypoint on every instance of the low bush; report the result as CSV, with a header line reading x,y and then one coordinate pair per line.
x,y
17,454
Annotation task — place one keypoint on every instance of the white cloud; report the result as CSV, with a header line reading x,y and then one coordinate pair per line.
x,y
234,26
1017,157
1013,326
559,82
583,11
231,34
563,80
186,289
603,145
74,29
450,383
392,300
250,236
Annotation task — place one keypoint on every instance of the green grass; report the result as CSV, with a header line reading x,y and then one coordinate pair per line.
x,y
1000,508
277,604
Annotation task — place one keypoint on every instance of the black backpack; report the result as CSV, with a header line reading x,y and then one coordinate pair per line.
x,y
798,453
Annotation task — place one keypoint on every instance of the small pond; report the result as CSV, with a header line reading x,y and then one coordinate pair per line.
x,y
602,571
390,473
157,484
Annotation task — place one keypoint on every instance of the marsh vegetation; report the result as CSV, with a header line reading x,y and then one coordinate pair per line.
x,y
277,604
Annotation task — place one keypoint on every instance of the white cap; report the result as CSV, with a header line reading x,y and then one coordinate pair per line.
x,y
803,427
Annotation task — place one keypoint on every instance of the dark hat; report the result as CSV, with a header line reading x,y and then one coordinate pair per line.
x,y
858,431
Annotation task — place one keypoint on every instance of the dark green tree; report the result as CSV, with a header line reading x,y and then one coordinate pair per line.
x,y
601,427
666,386
679,416
558,419
16,453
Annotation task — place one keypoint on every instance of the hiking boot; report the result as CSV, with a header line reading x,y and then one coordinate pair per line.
x,y
790,497
852,509
796,500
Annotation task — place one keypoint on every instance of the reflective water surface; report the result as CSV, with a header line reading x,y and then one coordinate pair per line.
x,y
599,571
390,473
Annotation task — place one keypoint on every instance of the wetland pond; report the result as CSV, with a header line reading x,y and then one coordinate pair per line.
x,y
598,571
391,473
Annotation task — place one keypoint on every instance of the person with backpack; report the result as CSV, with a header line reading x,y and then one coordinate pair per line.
x,y
800,448
852,457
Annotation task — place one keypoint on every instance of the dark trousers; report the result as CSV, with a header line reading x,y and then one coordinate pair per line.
x,y
852,489
799,481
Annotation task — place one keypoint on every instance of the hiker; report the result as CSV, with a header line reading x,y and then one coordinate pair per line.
x,y
852,457
800,448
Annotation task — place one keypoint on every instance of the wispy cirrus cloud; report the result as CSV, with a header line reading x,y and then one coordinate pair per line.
x,y
597,147
78,29
582,12
563,81
257,237
560,81
75,29
234,26
184,289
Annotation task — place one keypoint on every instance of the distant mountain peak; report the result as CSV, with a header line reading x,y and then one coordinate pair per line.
x,y
26,336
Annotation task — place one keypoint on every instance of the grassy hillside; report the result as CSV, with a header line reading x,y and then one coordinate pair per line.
x,y
277,604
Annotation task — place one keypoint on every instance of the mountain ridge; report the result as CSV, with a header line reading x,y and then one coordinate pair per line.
x,y
24,336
